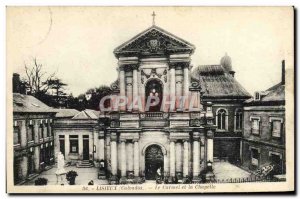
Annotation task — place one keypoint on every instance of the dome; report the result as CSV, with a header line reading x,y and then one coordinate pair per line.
x,y
226,63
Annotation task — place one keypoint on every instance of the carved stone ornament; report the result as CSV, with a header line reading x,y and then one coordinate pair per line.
x,y
115,85
165,115
165,72
153,73
153,45
165,78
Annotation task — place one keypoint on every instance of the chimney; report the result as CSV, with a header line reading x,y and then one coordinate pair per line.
x,y
283,72
16,83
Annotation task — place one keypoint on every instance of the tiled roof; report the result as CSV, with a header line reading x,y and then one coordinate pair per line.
x,y
274,94
28,103
215,82
87,114
63,113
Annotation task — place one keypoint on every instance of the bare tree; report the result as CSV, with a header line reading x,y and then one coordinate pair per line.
x,y
36,80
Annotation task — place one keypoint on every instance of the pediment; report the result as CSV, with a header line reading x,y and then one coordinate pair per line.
x,y
154,40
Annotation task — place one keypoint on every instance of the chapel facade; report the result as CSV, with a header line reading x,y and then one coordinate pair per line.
x,y
172,139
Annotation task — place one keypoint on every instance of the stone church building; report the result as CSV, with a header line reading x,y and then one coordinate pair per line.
x,y
176,140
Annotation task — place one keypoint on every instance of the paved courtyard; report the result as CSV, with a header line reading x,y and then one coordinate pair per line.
x,y
83,178
225,170
222,171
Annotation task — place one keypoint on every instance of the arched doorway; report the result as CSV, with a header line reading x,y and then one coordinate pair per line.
x,y
154,160
154,88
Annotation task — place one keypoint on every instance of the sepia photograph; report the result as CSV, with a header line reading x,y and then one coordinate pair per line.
x,y
149,99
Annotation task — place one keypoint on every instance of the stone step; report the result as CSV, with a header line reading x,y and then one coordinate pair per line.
x,y
84,164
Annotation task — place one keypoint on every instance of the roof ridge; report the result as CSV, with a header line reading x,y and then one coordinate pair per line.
x,y
85,112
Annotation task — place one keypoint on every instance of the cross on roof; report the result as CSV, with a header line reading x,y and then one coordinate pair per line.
x,y
153,15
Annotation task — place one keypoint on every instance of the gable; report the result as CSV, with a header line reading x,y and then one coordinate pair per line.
x,y
154,40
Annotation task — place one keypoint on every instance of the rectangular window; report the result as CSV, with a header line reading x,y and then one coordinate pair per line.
x,y
238,120
276,128
73,143
30,133
48,130
255,126
85,136
45,130
17,135
41,131
254,157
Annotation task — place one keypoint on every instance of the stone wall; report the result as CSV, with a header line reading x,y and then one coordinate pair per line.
x,y
264,142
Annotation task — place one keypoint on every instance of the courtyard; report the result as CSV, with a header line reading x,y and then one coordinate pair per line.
x,y
222,171
225,170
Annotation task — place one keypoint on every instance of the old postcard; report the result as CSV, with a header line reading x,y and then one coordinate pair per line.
x,y
150,99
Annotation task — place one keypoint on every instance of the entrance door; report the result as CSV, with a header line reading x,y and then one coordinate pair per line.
x,y
154,160
62,144
276,161
85,149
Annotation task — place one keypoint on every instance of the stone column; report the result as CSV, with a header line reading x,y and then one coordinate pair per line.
x,y
136,158
123,158
185,158
135,88
49,129
178,156
178,87
80,146
172,158
114,155
122,85
37,152
186,86
101,145
172,84
36,148
24,167
128,85
210,150
196,155
130,156
241,152
23,132
45,129
67,146
36,131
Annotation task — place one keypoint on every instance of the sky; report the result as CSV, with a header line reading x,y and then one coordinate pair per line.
x,y
78,42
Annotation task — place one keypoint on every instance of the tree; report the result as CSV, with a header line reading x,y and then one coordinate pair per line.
x,y
91,98
39,85
57,85
36,78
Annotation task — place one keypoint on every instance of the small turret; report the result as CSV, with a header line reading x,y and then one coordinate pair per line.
x,y
227,64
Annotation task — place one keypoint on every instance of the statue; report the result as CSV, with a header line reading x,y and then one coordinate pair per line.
x,y
60,172
102,170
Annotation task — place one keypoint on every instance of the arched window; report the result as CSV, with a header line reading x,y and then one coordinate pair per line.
x,y
154,88
238,119
222,119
